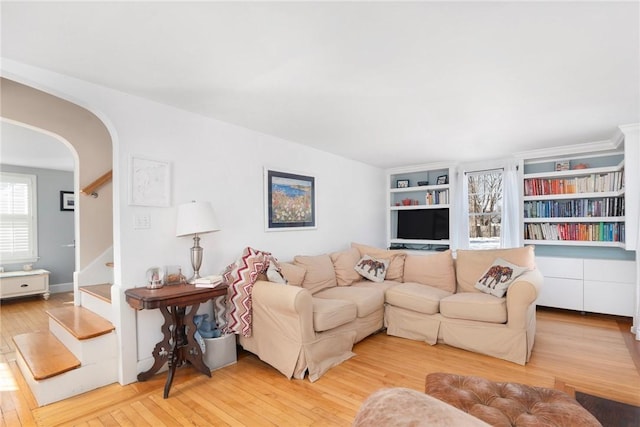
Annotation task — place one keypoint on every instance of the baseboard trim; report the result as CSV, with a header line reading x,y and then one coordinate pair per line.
x,y
60,288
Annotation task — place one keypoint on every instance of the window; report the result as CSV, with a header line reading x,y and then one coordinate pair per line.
x,y
18,219
485,208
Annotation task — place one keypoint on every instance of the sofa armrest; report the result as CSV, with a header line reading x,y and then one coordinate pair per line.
x,y
520,296
291,303
282,322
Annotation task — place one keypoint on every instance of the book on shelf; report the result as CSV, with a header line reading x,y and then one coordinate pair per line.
x,y
209,281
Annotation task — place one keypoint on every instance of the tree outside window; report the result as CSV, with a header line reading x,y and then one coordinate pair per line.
x,y
485,208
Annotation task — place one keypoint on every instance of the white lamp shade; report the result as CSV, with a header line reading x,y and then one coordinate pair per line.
x,y
195,218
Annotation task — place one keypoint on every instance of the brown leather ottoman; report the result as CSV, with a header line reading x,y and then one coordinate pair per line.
x,y
509,404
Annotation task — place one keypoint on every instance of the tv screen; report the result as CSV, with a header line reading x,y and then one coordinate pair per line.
x,y
423,224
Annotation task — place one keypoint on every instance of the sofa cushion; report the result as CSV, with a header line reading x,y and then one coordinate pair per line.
x,y
331,313
293,273
497,278
474,306
396,259
343,264
372,268
434,270
417,297
319,272
367,300
377,285
471,264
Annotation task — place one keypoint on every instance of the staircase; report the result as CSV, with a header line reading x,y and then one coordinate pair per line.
x,y
77,354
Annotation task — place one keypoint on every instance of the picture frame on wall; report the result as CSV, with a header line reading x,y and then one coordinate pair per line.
x,y
149,182
67,201
290,200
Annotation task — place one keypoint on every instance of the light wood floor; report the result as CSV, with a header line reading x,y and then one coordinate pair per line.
x,y
590,353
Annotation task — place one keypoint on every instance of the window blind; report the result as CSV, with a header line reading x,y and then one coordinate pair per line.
x,y
17,218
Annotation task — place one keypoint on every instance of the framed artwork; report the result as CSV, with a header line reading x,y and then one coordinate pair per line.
x,y
402,183
562,166
290,201
150,182
442,179
67,201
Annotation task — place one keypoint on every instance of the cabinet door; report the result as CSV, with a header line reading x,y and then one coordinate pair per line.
x,y
567,268
561,293
609,270
609,297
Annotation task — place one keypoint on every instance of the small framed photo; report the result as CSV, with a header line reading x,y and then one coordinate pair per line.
x,y
562,166
402,183
442,179
67,201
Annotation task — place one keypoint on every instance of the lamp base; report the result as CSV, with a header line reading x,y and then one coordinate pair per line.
x,y
196,259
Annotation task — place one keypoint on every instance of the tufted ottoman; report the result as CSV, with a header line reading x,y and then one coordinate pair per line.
x,y
509,404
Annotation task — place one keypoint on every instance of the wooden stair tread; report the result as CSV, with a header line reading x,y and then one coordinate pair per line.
x,y
80,322
101,291
45,355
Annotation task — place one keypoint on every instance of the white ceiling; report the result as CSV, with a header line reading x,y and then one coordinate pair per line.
x,y
387,83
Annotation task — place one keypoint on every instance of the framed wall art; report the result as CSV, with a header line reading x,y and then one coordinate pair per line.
x,y
150,182
67,201
290,200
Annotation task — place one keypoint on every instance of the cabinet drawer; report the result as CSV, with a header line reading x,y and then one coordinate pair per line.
x,y
561,293
23,285
608,270
609,297
567,268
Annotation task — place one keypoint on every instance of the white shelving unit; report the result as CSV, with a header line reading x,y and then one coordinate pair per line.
x,y
580,207
419,188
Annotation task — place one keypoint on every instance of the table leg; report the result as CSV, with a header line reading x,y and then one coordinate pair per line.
x,y
191,350
176,357
162,348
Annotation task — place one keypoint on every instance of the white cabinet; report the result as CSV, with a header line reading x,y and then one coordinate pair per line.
x,y
22,283
593,285
419,206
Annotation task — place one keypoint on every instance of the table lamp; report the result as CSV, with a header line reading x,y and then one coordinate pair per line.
x,y
195,218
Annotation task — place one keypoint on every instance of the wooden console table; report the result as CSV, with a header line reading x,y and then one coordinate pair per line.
x,y
178,304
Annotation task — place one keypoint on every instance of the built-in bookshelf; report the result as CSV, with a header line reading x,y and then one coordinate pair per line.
x,y
419,194
580,206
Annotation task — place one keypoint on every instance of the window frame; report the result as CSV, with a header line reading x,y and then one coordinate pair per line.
x,y
470,214
31,255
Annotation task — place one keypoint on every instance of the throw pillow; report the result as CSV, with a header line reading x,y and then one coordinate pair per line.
x,y
372,269
497,278
274,274
293,273
472,263
344,263
319,272
395,258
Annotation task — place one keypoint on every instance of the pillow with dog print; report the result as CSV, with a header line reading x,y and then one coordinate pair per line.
x,y
372,268
497,278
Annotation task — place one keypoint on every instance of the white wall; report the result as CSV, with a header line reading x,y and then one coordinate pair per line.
x,y
221,163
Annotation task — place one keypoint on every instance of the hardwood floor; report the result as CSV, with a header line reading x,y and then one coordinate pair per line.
x,y
591,353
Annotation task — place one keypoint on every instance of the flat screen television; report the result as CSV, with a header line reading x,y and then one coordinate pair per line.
x,y
423,224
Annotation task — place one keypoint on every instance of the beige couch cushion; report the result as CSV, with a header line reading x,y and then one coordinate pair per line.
x,y
416,297
378,285
471,264
331,313
319,272
344,263
433,270
367,300
474,306
293,273
396,259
